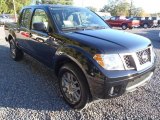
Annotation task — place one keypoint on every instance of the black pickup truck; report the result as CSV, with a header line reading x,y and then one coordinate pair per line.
x,y
90,59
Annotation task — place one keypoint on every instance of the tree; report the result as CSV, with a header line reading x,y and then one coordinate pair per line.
x,y
63,2
135,11
138,12
92,8
3,6
6,6
122,7
131,8
116,7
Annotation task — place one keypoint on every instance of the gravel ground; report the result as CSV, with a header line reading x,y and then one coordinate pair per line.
x,y
29,90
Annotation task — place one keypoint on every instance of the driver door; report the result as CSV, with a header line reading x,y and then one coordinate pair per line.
x,y
43,45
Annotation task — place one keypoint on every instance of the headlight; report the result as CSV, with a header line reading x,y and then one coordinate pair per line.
x,y
109,61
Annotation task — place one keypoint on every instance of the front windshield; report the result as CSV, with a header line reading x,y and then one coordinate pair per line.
x,y
73,18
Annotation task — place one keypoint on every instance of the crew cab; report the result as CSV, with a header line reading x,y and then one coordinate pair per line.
x,y
123,22
91,60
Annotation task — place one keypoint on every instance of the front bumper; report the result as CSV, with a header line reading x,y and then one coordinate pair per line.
x,y
114,87
133,85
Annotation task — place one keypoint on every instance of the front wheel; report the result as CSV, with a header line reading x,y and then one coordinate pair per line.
x,y
73,86
145,26
16,53
124,26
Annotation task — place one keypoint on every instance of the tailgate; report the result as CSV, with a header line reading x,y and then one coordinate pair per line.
x,y
155,22
136,22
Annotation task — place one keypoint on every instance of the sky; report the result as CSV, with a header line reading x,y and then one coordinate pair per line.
x,y
95,3
150,6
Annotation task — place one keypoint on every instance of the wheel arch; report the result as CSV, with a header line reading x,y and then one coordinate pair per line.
x,y
124,24
10,37
65,58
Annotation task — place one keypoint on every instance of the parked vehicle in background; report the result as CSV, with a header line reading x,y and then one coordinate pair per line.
x,y
6,18
104,15
123,22
155,22
158,19
146,22
90,60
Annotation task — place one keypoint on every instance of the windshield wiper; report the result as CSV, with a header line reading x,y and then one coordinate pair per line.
x,y
72,28
84,28
94,27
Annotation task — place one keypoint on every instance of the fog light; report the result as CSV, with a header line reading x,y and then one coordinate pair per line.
x,y
115,90
112,91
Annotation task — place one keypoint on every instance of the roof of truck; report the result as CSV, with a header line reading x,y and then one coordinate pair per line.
x,y
51,5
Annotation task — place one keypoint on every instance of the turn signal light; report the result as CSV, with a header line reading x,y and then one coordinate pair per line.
x,y
99,59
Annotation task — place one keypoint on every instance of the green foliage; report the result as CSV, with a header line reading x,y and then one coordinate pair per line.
x,y
135,11
116,7
63,2
3,6
92,9
122,7
6,6
138,12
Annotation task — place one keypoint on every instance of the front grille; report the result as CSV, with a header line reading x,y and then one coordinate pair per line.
x,y
137,60
128,61
144,56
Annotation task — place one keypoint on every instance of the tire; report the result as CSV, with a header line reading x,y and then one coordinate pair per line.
x,y
15,52
70,73
145,26
124,26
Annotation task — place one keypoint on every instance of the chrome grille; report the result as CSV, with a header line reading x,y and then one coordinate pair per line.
x,y
144,56
138,60
128,61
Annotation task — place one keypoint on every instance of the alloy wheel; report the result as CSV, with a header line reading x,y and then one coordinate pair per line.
x,y
71,88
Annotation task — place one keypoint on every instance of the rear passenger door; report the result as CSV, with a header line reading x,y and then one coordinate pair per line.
x,y
23,30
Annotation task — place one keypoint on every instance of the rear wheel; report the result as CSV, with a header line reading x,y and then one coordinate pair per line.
x,y
124,26
73,86
15,52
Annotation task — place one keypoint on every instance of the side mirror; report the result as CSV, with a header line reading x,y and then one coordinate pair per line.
x,y
39,26
50,30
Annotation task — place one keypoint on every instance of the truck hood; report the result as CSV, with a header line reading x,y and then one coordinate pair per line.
x,y
111,41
